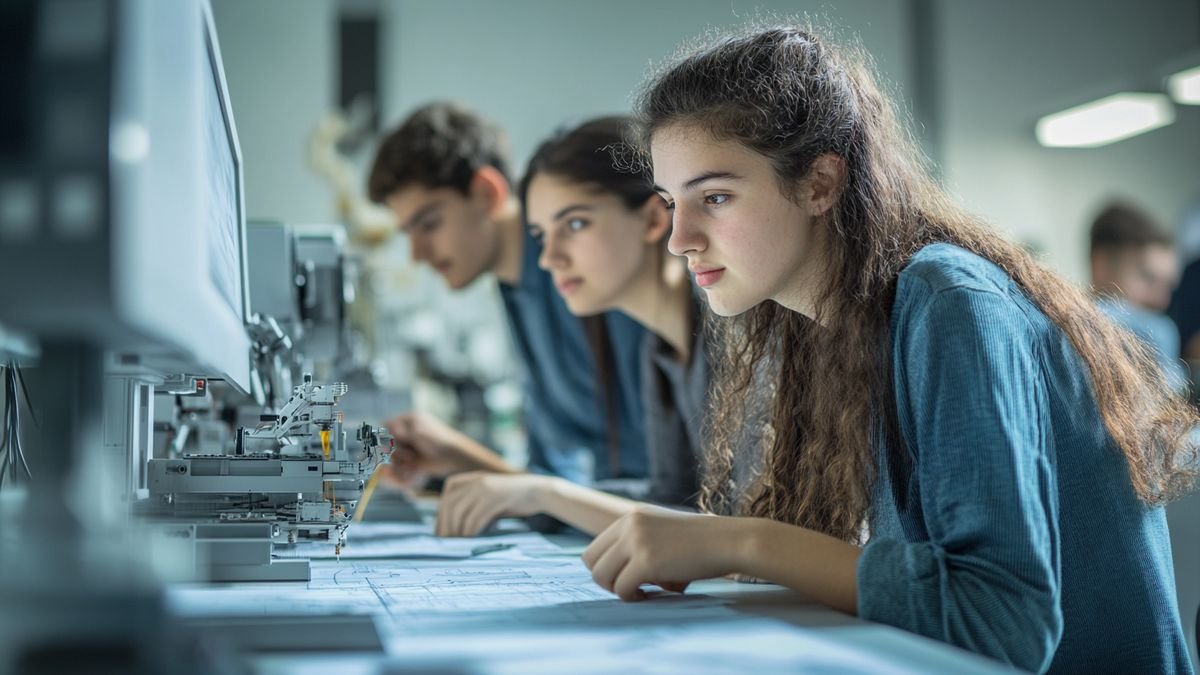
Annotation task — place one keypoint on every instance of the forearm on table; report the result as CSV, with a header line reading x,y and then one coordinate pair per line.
x,y
474,456
580,507
819,566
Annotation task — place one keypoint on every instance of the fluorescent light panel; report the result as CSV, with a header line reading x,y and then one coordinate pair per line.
x,y
1184,86
1105,121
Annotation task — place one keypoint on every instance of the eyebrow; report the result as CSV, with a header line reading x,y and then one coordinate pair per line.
x,y
702,178
421,214
573,207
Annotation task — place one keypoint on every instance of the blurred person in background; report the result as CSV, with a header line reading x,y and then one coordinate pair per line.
x,y
1134,271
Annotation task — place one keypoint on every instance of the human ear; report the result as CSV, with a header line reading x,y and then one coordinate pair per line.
x,y
826,180
490,186
658,219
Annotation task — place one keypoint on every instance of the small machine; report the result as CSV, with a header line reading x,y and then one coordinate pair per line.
x,y
297,475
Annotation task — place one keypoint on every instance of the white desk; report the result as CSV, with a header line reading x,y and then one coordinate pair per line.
x,y
485,615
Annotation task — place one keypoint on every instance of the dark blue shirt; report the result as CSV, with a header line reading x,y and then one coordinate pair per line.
x,y
1013,530
1185,304
565,414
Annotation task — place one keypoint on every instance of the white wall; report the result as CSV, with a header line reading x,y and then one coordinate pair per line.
x,y
531,65
279,64
1007,63
534,64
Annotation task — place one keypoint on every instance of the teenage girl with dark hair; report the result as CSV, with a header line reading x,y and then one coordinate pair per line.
x,y
960,444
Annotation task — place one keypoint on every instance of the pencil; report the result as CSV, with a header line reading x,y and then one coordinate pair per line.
x,y
368,490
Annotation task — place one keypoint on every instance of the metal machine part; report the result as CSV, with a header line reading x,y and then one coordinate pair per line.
x,y
297,475
299,278
274,358
325,291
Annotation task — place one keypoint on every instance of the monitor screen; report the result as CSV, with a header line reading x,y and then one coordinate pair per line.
x,y
219,200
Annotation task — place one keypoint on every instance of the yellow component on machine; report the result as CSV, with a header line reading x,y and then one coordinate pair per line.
x,y
368,490
325,442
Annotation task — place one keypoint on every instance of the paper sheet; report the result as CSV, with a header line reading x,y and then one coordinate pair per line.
x,y
486,593
428,595
375,544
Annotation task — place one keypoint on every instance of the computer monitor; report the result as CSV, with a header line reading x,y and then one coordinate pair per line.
x,y
122,219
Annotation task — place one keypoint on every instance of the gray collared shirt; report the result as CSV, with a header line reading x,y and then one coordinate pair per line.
x,y
674,400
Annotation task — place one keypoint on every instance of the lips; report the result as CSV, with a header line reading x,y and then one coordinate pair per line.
x,y
707,275
568,286
443,266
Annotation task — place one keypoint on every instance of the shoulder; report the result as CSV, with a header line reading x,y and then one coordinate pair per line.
x,y
945,267
953,288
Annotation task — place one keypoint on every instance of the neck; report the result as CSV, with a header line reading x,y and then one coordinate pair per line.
x,y
661,301
799,294
511,236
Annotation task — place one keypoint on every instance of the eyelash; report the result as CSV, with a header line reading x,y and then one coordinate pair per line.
x,y
539,236
670,206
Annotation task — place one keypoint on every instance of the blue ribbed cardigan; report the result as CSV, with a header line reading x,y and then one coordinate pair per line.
x,y
1011,528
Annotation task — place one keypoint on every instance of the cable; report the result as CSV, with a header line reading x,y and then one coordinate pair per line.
x,y
11,424
28,404
7,445
14,453
17,423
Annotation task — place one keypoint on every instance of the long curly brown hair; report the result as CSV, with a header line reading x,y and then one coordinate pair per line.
x,y
792,97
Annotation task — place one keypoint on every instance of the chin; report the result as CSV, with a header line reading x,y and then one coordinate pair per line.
x,y
457,282
580,307
726,306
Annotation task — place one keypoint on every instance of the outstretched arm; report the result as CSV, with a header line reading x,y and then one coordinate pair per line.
x,y
471,501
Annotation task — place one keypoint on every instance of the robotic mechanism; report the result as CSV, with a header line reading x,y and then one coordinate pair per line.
x,y
297,475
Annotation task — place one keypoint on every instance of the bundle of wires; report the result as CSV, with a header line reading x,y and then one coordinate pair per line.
x,y
12,456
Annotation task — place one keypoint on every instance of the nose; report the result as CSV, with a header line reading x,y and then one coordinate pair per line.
x,y
685,236
552,255
418,248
